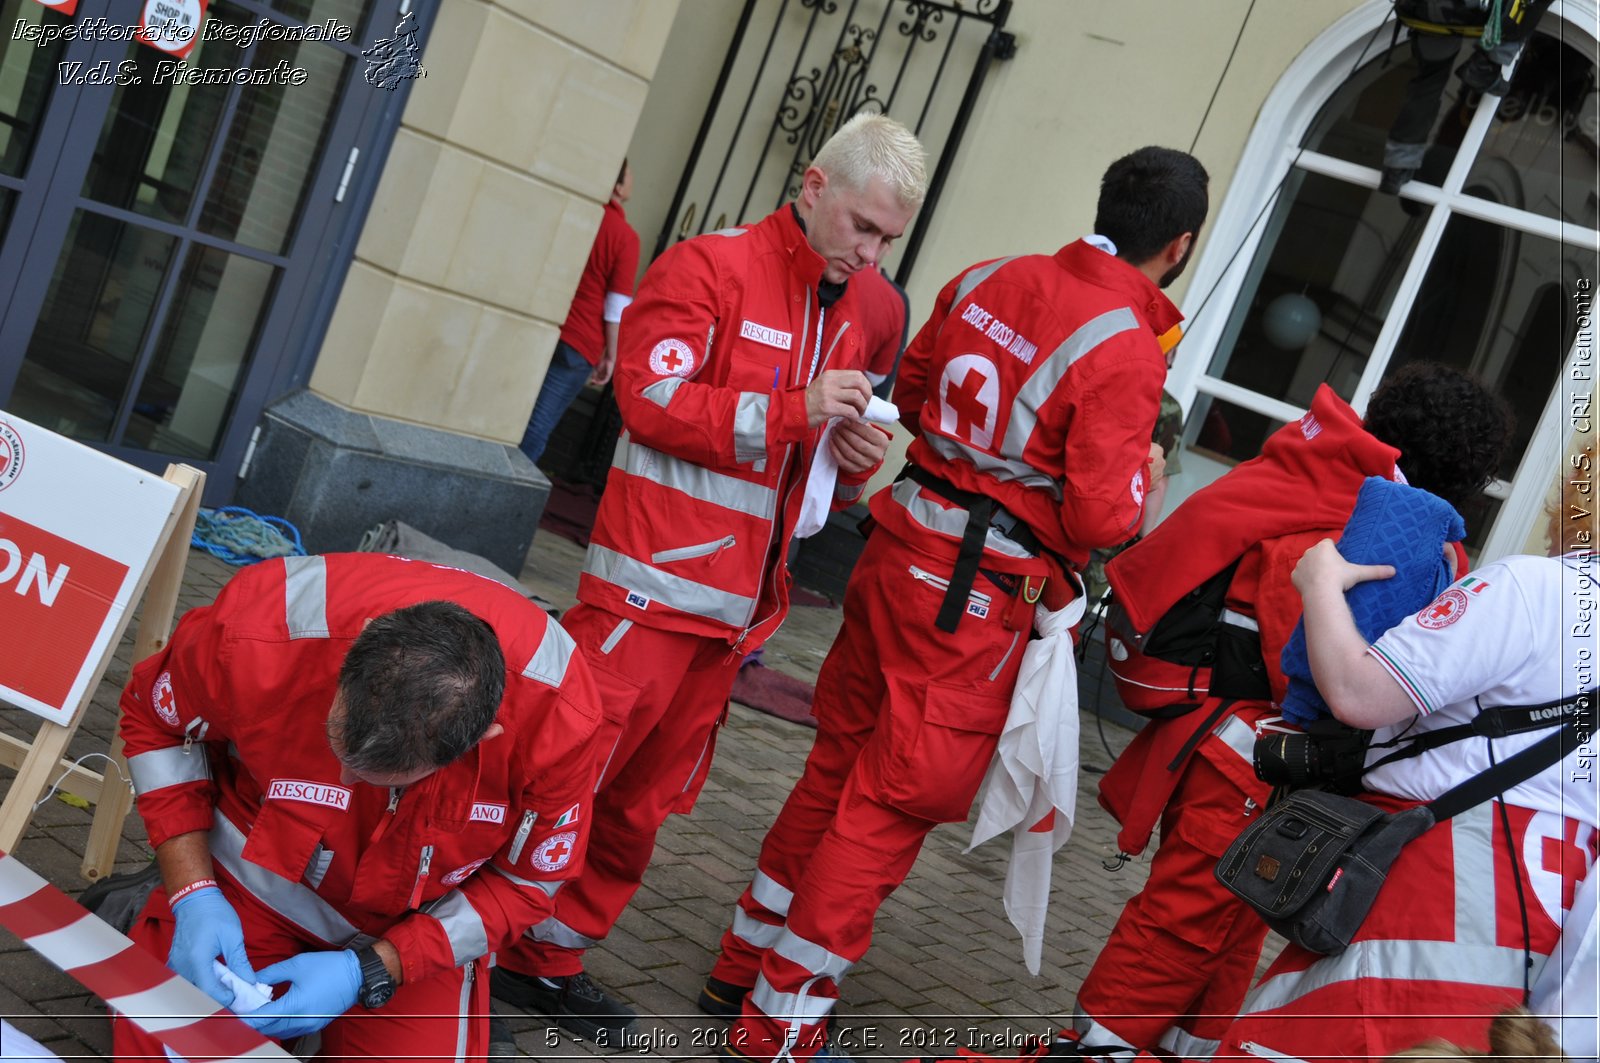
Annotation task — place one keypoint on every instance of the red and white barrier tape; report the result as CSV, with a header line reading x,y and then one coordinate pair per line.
x,y
128,979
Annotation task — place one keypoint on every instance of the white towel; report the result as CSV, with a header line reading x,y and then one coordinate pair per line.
x,y
247,997
1031,788
818,501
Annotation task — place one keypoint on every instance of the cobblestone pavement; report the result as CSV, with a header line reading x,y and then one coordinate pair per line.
x,y
945,967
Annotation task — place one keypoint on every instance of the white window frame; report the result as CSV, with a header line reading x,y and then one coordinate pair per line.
x,y
1231,246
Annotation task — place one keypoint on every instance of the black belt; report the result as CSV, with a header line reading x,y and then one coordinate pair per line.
x,y
982,514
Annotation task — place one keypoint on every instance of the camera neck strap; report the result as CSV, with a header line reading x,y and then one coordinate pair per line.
x,y
1507,773
1497,721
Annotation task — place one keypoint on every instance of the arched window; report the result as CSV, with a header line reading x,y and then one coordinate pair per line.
x,y
1314,276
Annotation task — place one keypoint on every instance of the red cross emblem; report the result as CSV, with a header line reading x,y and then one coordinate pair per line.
x,y
1562,856
553,853
1445,610
165,702
671,357
968,395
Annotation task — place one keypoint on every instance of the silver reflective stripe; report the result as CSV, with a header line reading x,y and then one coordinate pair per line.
x,y
1186,1045
1404,961
550,660
1000,468
684,595
1239,737
661,391
1472,853
766,891
561,935
616,636
305,591
789,1007
811,956
696,481
952,522
976,277
1240,620
701,759
748,928
1033,394
848,492
549,889
168,767
462,925
837,336
750,426
1091,1032
291,900
726,232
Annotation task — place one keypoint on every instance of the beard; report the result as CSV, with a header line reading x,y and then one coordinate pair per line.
x,y
1177,271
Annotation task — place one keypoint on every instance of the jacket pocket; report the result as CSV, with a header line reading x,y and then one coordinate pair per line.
x,y
941,739
686,553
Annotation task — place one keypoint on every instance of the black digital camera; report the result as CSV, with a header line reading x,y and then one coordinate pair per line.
x,y
1326,754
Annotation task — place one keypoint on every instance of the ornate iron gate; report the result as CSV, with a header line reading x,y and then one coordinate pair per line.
x,y
762,125
774,105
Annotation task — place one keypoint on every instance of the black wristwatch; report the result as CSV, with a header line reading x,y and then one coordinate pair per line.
x,y
377,985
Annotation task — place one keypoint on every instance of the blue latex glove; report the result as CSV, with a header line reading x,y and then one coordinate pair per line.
x,y
322,987
208,928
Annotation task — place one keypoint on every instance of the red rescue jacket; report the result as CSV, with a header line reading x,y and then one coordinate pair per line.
x,y
226,732
712,366
1036,381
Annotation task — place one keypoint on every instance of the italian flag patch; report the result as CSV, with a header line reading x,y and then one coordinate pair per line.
x,y
1474,585
568,817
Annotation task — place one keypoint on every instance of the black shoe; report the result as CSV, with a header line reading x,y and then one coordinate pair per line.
x,y
501,1044
576,1002
1479,72
1393,179
724,1000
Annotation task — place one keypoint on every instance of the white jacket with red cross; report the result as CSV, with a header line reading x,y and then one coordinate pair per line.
x,y
226,732
1036,381
713,361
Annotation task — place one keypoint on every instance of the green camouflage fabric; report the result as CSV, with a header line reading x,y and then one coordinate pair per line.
x,y
1169,433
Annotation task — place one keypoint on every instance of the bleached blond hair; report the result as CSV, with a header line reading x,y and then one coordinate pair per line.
x,y
875,145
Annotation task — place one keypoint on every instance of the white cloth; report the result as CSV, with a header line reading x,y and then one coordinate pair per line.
x,y
1033,779
247,997
14,1044
824,475
1566,985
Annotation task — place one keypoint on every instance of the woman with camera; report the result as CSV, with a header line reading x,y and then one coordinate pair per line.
x,y
1494,906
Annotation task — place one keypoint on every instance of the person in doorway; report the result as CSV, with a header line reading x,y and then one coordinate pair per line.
x,y
586,353
362,775
1032,390
741,346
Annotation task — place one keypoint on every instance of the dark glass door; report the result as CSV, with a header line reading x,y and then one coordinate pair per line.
x,y
169,234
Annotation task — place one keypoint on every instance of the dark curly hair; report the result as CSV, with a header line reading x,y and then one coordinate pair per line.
x,y
1449,428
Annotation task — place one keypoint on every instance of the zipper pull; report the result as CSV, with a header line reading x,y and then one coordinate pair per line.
x,y
394,799
195,732
521,838
1249,806
422,876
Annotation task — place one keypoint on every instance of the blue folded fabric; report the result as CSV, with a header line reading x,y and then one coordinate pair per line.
x,y
1392,524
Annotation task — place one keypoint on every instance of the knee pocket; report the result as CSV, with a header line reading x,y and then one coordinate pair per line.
x,y
938,745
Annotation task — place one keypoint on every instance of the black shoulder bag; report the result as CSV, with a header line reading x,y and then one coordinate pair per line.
x,y
1313,864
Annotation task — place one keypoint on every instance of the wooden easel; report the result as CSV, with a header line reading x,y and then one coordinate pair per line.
x,y
42,761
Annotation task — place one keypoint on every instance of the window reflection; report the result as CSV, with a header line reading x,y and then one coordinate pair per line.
x,y
93,324
1540,153
27,75
1319,290
1498,303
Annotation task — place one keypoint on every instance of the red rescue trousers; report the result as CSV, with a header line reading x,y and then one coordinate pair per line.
x,y
442,1017
1184,951
908,718
664,694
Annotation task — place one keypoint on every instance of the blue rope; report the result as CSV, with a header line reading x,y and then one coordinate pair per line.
x,y
240,536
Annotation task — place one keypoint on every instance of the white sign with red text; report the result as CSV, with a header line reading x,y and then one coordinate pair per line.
x,y
78,529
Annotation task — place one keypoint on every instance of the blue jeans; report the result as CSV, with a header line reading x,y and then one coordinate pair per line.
x,y
566,376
